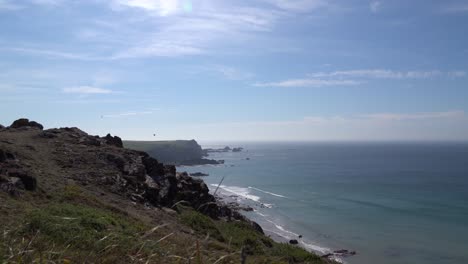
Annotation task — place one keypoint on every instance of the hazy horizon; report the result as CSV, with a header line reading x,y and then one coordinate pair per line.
x,y
263,70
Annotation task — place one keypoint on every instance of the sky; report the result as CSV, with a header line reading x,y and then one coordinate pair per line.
x,y
256,70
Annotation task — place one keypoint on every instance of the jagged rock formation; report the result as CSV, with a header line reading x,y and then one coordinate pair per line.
x,y
24,122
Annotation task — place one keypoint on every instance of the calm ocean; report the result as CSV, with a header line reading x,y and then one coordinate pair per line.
x,y
390,202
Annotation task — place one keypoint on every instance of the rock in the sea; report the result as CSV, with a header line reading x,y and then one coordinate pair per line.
x,y
293,242
24,122
237,149
114,141
199,174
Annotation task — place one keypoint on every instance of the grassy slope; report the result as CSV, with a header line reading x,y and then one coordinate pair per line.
x,y
72,226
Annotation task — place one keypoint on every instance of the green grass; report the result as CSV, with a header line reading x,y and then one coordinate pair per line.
x,y
241,236
73,227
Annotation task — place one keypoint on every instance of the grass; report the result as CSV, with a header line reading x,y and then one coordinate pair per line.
x,y
240,236
73,227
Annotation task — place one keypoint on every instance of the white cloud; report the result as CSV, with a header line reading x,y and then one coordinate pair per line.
x,y
356,77
298,5
87,90
308,83
162,7
380,74
128,114
9,5
457,74
415,116
375,6
209,25
47,2
53,54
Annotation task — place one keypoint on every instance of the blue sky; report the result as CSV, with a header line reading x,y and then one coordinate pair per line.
x,y
238,70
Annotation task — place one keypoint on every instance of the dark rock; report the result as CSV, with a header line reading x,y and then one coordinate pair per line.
x,y
200,162
5,155
293,242
247,158
35,124
300,236
199,174
153,167
90,141
117,160
114,141
2,155
24,122
29,181
237,149
257,227
10,156
47,134
1,127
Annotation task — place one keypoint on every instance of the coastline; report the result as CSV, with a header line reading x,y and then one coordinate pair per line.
x,y
246,204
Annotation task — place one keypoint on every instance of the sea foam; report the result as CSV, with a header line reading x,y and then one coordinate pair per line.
x,y
239,191
267,192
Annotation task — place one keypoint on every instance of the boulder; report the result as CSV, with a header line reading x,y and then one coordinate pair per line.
x,y
1,127
114,141
199,174
24,122
28,181
293,242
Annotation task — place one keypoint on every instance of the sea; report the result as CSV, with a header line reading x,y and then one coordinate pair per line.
x,y
389,202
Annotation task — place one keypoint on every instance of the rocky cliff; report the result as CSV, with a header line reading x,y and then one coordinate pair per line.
x,y
66,196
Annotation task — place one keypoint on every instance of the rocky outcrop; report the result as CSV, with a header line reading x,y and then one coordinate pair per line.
x,y
70,154
13,177
239,149
24,122
115,141
293,242
1,126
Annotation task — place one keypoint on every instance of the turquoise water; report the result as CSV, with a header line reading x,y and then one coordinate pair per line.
x,y
392,203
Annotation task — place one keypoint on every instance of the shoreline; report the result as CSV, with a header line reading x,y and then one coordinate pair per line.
x,y
236,202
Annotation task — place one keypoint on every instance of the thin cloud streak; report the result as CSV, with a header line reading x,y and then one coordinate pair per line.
x,y
381,74
308,83
87,90
128,114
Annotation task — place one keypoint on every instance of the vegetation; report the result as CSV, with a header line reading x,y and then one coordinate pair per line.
x,y
74,227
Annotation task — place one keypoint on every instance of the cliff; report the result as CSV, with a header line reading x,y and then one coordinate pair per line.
x,y
69,197
177,152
